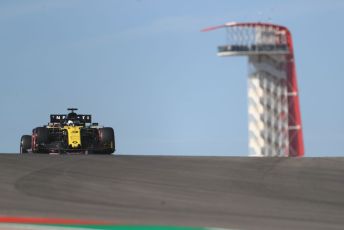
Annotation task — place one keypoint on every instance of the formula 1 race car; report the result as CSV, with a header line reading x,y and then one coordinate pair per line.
x,y
66,133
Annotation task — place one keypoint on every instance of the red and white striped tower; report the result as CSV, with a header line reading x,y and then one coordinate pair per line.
x,y
274,111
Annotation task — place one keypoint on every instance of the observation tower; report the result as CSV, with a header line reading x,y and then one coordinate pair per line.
x,y
273,101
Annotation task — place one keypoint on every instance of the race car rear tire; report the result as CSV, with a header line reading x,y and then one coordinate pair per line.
x,y
106,140
25,144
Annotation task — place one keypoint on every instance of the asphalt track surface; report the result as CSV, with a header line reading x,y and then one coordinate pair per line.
x,y
229,192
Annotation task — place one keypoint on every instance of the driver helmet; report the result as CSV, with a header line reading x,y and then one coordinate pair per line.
x,y
70,123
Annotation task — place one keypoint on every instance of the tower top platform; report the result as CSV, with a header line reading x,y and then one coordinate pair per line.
x,y
254,39
248,50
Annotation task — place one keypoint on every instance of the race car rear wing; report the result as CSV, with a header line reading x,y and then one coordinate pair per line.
x,y
62,118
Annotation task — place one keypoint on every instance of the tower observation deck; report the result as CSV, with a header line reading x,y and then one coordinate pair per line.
x,y
273,101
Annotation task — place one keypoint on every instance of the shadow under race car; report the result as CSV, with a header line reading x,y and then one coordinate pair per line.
x,y
67,133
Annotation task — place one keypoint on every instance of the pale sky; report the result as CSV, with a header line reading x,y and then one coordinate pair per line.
x,y
144,68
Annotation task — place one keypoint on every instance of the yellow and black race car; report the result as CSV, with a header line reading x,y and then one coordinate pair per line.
x,y
66,133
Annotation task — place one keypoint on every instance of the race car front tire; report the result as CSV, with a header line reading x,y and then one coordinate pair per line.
x,y
41,135
106,140
25,144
